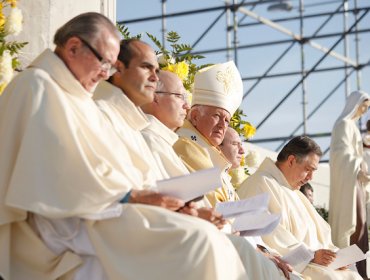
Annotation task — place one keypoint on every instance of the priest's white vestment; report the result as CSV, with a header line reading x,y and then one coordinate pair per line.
x,y
197,153
160,140
62,161
300,223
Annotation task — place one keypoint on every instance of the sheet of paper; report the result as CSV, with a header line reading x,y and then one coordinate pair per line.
x,y
256,223
299,258
192,185
232,209
346,256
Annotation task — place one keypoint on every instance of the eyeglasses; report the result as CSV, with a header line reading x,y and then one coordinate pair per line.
x,y
104,65
183,97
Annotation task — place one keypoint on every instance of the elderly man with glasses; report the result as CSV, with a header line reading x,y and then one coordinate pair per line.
x,y
48,177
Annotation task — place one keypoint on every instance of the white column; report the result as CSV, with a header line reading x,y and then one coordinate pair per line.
x,y
42,18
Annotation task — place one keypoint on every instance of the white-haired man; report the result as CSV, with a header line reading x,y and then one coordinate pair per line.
x,y
217,94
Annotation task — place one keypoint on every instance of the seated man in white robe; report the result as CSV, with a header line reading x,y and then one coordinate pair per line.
x,y
217,94
66,171
233,150
300,223
166,113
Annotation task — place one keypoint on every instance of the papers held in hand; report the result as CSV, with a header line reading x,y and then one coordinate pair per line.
x,y
256,224
191,186
299,257
347,256
251,215
231,209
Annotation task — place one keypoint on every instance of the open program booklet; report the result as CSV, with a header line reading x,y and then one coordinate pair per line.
x,y
347,256
300,257
191,186
251,216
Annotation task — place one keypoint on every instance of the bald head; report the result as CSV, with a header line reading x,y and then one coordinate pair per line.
x,y
169,82
232,147
170,101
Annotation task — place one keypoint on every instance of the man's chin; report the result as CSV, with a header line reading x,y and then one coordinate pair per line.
x,y
216,141
91,88
147,99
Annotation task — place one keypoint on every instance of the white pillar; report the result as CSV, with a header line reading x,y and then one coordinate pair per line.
x,y
42,18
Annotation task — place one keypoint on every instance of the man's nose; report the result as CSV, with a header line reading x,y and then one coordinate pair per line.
x,y
186,105
241,149
154,77
104,74
223,123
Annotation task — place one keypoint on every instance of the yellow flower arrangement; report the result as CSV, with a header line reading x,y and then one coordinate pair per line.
x,y
244,128
248,130
10,24
181,69
178,60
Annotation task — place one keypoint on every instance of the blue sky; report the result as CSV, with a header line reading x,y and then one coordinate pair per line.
x,y
255,61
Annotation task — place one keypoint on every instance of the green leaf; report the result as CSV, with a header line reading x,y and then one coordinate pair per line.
x,y
125,33
172,37
158,44
15,63
181,48
14,47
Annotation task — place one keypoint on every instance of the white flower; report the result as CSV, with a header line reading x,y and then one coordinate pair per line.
x,y
13,24
6,69
252,159
162,59
238,176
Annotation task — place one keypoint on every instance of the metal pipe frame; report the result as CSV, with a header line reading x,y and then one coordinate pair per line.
x,y
231,9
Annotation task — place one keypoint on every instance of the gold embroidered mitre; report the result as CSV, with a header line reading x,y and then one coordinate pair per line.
x,y
219,85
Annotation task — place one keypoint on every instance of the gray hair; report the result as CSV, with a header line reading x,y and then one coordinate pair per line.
x,y
300,147
160,85
87,26
199,108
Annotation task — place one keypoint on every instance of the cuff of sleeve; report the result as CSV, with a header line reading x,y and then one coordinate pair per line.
x,y
126,198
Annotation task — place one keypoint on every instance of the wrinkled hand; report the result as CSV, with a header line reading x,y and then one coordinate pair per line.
x,y
154,198
212,216
363,177
189,209
283,265
324,257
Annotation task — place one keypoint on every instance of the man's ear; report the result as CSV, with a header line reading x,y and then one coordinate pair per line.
x,y
72,47
156,98
194,116
120,66
291,159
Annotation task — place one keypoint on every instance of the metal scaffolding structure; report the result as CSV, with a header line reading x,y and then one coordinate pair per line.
x,y
330,45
